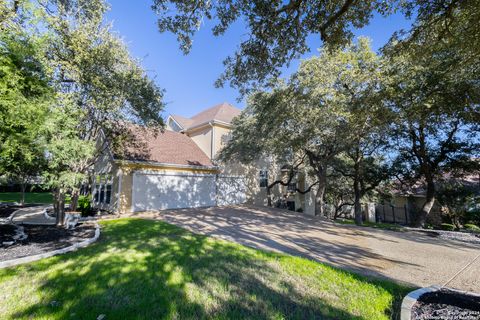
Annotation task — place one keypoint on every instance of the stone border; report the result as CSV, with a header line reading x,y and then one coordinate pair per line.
x,y
411,298
74,247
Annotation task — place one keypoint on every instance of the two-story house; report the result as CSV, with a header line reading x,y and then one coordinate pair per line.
x,y
176,169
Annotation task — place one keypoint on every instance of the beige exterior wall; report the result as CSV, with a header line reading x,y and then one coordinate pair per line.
x,y
203,139
221,135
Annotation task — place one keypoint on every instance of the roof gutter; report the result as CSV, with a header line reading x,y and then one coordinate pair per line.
x,y
166,165
206,124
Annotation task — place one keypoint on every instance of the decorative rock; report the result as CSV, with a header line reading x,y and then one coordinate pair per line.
x,y
8,243
101,317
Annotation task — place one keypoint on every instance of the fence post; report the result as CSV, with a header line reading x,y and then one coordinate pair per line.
x,y
384,215
393,213
406,214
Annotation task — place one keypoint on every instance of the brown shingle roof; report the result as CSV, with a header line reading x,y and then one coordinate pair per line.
x,y
164,147
224,112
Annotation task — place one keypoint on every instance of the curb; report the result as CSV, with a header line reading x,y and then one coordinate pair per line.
x,y
411,298
74,247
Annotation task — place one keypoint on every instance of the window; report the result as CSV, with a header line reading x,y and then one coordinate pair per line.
x,y
97,193
102,193
292,187
108,193
103,189
263,178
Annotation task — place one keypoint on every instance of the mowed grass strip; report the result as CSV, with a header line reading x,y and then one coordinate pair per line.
x,y
30,197
141,269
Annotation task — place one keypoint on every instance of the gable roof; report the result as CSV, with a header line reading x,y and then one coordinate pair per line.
x,y
223,112
167,147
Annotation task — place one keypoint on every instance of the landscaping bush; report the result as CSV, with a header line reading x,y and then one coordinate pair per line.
x,y
84,205
472,228
473,217
447,227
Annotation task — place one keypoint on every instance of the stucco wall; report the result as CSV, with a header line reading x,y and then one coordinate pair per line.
x,y
221,135
203,139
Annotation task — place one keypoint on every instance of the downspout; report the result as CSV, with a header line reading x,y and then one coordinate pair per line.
x,y
212,149
119,192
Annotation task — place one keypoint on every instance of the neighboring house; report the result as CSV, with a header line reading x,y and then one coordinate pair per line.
x,y
406,199
176,169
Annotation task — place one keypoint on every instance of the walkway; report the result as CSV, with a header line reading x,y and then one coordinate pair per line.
x,y
33,215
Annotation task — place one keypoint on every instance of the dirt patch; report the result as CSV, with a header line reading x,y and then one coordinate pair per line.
x,y
446,304
43,239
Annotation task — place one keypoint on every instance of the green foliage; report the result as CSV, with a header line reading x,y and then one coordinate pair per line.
x,y
24,98
448,227
473,215
471,227
65,78
278,30
84,205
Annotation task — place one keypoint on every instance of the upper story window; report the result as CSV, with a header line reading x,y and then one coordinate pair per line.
x,y
292,187
263,177
175,127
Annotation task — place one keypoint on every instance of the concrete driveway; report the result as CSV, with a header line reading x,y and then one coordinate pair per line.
x,y
415,258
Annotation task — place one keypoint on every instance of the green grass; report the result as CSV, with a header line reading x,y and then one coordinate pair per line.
x,y
30,197
141,269
386,226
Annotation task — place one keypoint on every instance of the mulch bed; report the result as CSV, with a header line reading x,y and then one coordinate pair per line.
x,y
446,304
6,232
43,239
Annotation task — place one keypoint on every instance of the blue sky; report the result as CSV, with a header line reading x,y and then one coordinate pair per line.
x,y
188,79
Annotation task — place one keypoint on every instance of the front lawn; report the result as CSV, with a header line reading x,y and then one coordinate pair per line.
x,y
143,269
30,197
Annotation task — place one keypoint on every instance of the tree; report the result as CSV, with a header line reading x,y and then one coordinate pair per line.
x,y
65,151
318,113
277,31
24,96
95,69
434,92
98,86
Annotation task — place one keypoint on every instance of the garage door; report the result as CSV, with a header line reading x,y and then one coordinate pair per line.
x,y
172,191
230,190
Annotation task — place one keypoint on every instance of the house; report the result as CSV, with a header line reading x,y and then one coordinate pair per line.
x,y
177,168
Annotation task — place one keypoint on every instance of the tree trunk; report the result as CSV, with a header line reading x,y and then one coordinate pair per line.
x,y
269,196
427,206
22,186
357,204
319,197
74,200
59,207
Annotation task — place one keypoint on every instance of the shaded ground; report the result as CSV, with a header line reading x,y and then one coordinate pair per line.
x,y
143,269
415,258
46,238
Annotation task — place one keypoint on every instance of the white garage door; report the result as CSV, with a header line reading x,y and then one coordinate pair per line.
x,y
230,190
170,191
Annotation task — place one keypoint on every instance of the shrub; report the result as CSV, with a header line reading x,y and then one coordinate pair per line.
x,y
84,205
473,217
472,228
447,227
